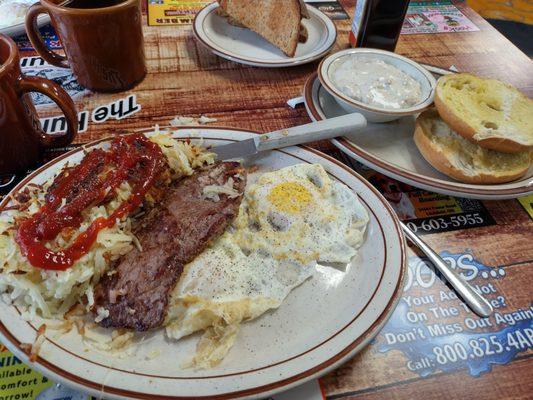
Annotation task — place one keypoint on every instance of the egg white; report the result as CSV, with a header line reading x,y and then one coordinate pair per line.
x,y
299,213
288,221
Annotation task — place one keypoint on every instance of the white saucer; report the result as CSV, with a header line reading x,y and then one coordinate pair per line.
x,y
246,47
20,28
389,148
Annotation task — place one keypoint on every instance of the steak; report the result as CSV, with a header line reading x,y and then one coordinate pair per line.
x,y
136,291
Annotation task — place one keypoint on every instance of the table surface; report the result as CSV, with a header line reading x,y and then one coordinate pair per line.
x,y
186,79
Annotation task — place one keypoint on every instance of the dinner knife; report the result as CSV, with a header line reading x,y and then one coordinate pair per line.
x,y
320,130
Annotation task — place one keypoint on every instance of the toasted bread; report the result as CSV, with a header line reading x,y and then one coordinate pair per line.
x,y
486,111
278,21
463,160
304,10
302,37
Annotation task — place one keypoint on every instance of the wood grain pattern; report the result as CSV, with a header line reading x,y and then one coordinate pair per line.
x,y
186,79
515,10
512,383
377,373
514,230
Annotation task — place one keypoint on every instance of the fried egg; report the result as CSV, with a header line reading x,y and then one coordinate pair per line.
x,y
298,213
288,221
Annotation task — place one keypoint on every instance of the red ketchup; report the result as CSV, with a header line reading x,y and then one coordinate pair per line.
x,y
132,158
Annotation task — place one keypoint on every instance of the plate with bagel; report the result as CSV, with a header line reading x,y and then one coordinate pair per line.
x,y
474,141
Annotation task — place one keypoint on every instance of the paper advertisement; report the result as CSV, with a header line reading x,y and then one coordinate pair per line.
x,y
435,17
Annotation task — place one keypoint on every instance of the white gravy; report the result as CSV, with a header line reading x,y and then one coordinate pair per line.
x,y
375,82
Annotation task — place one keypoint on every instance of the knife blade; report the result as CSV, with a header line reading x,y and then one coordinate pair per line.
x,y
320,130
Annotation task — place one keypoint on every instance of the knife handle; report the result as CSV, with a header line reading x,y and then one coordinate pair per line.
x,y
320,130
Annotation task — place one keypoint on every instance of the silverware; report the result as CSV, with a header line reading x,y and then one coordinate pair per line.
x,y
437,70
473,299
328,129
314,131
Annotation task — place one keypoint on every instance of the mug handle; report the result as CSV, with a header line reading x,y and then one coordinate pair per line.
x,y
36,39
62,99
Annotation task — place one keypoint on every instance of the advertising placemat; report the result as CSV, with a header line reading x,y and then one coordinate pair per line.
x,y
527,203
182,12
435,17
424,212
173,12
431,334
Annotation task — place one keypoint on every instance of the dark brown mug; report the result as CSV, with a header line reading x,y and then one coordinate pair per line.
x,y
102,39
22,140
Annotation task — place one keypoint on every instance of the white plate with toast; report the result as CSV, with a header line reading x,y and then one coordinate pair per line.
x,y
17,27
244,46
279,350
391,150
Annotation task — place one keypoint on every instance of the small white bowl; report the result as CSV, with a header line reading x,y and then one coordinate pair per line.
x,y
371,112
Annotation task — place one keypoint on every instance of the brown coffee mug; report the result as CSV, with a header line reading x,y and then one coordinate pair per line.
x,y
102,39
22,140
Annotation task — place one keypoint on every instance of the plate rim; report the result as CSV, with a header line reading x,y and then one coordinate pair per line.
x,y
35,328
331,28
435,184
16,30
345,353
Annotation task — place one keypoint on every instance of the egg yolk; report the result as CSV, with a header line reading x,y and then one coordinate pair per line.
x,y
289,197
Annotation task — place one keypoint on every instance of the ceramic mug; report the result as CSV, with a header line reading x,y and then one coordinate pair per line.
x,y
102,39
22,140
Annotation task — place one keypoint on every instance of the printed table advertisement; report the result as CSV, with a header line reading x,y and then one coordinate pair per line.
x,y
173,12
431,332
18,382
435,17
527,203
434,331
179,12
425,212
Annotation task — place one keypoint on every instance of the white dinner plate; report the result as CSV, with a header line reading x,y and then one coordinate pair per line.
x,y
246,47
20,28
321,324
390,149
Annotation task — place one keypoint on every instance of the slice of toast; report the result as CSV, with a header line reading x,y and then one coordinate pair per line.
x,y
488,112
278,21
302,37
455,156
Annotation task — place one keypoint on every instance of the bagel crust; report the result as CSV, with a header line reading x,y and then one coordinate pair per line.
x,y
441,157
469,127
